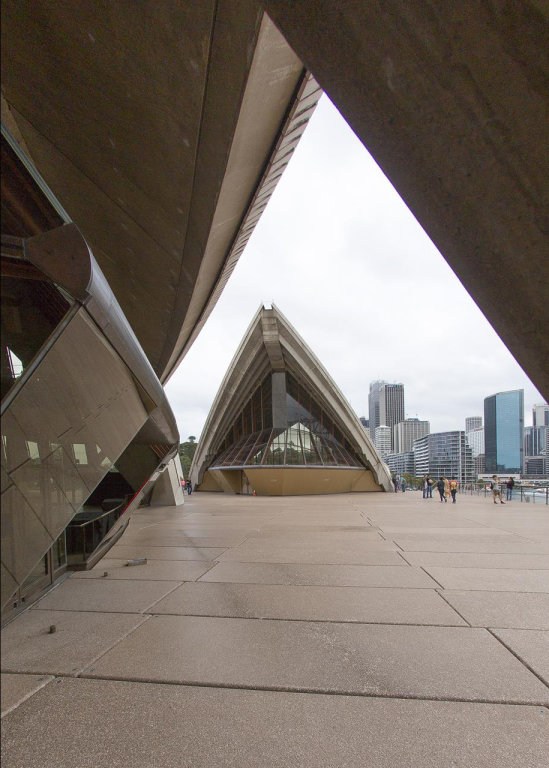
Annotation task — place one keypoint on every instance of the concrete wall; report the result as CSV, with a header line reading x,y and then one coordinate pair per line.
x,y
285,481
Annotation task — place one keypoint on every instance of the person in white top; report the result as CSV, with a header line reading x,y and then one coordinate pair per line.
x,y
496,489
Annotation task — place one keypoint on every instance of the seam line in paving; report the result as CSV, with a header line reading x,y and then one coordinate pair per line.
x,y
317,691
98,610
401,554
316,621
312,584
452,607
431,577
496,591
212,566
154,602
517,656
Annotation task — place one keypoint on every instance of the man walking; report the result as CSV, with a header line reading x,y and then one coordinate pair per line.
x,y
441,485
453,489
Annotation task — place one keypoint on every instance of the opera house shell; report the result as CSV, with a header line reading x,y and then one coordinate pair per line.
x,y
279,425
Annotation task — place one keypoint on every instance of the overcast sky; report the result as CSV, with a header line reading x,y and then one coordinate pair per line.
x,y
345,261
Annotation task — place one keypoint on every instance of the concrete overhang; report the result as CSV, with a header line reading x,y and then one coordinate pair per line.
x,y
452,100
162,128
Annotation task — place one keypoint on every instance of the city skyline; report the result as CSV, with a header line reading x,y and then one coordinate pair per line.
x,y
344,259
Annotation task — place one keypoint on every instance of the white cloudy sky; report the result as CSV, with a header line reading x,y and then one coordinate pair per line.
x,y
342,257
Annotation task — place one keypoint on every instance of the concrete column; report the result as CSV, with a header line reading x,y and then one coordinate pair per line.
x,y
167,489
279,400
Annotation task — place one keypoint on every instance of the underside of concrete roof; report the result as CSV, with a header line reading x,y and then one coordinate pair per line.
x,y
162,128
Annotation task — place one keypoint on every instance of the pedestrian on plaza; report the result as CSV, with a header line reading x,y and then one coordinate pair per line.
x,y
430,483
510,486
453,489
441,486
189,487
396,483
402,484
425,487
182,481
446,488
495,485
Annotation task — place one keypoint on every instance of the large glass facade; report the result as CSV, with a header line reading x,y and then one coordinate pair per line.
x,y
504,425
32,307
311,437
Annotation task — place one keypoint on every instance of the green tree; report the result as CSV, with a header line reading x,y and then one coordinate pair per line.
x,y
186,454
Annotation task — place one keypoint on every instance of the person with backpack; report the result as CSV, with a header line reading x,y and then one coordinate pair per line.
x,y
453,489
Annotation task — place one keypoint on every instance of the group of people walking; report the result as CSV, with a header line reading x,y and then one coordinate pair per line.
x,y
186,486
446,488
399,483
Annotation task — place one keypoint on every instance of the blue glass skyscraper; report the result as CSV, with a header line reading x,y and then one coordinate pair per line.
x,y
503,432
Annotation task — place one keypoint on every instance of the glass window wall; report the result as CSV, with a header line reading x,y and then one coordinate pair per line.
x,y
311,437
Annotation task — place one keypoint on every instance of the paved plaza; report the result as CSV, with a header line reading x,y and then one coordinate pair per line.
x,y
354,630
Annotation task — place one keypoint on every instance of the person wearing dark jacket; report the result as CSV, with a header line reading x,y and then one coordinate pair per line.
x,y
441,485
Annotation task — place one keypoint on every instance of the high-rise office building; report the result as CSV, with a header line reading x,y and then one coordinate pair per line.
x,y
540,415
475,438
386,406
382,440
472,422
373,406
405,432
444,454
400,463
535,441
503,431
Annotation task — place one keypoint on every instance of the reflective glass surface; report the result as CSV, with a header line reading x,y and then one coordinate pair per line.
x,y
31,309
503,424
311,436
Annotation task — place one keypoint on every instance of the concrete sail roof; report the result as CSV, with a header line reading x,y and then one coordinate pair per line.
x,y
272,344
162,128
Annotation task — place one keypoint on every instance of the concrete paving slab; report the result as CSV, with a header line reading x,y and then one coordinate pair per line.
x,y
153,570
104,595
412,531
286,550
167,538
15,689
301,534
530,645
122,552
491,579
147,726
398,576
503,545
206,530
79,638
457,663
347,604
477,560
507,610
